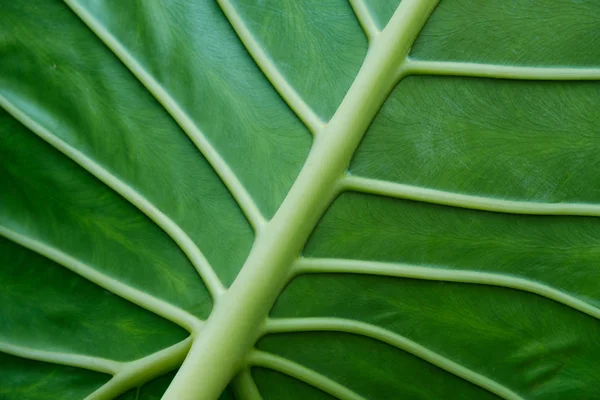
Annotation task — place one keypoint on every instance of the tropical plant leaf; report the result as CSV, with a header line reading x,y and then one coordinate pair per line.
x,y
299,199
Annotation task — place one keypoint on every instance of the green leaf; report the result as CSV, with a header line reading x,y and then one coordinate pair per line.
x,y
249,199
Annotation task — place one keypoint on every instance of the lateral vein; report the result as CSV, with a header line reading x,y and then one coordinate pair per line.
x,y
198,260
402,191
136,373
272,73
398,270
228,177
138,297
365,18
98,364
297,371
414,67
393,339
244,386
242,311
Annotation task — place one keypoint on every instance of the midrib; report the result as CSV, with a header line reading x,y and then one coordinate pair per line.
x,y
239,315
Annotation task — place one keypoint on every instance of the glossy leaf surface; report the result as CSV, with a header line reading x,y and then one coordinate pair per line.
x,y
245,199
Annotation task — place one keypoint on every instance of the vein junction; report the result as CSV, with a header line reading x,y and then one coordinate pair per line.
x,y
240,315
126,375
310,119
182,240
237,190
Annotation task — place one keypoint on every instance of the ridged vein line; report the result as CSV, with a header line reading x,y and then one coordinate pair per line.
x,y
142,299
212,282
244,386
398,270
393,339
451,68
267,66
290,368
98,364
237,319
126,375
365,19
235,187
408,192
136,373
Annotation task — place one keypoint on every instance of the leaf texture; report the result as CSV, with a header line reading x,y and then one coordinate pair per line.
x,y
261,199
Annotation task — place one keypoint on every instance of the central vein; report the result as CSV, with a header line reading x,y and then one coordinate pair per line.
x,y
239,315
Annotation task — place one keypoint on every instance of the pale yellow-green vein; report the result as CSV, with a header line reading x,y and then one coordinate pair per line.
x,y
264,62
398,270
229,178
98,364
365,19
136,296
135,373
297,371
393,339
402,191
186,244
451,68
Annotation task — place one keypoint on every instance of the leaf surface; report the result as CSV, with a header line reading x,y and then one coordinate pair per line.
x,y
299,199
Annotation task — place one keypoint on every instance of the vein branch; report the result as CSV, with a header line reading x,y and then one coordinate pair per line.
x,y
142,299
126,375
242,311
198,260
398,270
98,364
393,339
413,67
235,187
244,386
297,371
267,66
401,191
136,373
365,19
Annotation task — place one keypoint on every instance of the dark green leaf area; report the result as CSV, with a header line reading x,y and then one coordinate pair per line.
x,y
371,369
22,379
533,346
508,139
559,251
328,46
523,32
274,385
46,197
46,307
191,50
75,88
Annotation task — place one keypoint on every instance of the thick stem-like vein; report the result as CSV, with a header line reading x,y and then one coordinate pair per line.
x,y
237,190
244,386
264,62
365,19
290,368
393,339
184,242
401,191
98,364
142,299
414,67
237,319
135,373
397,270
